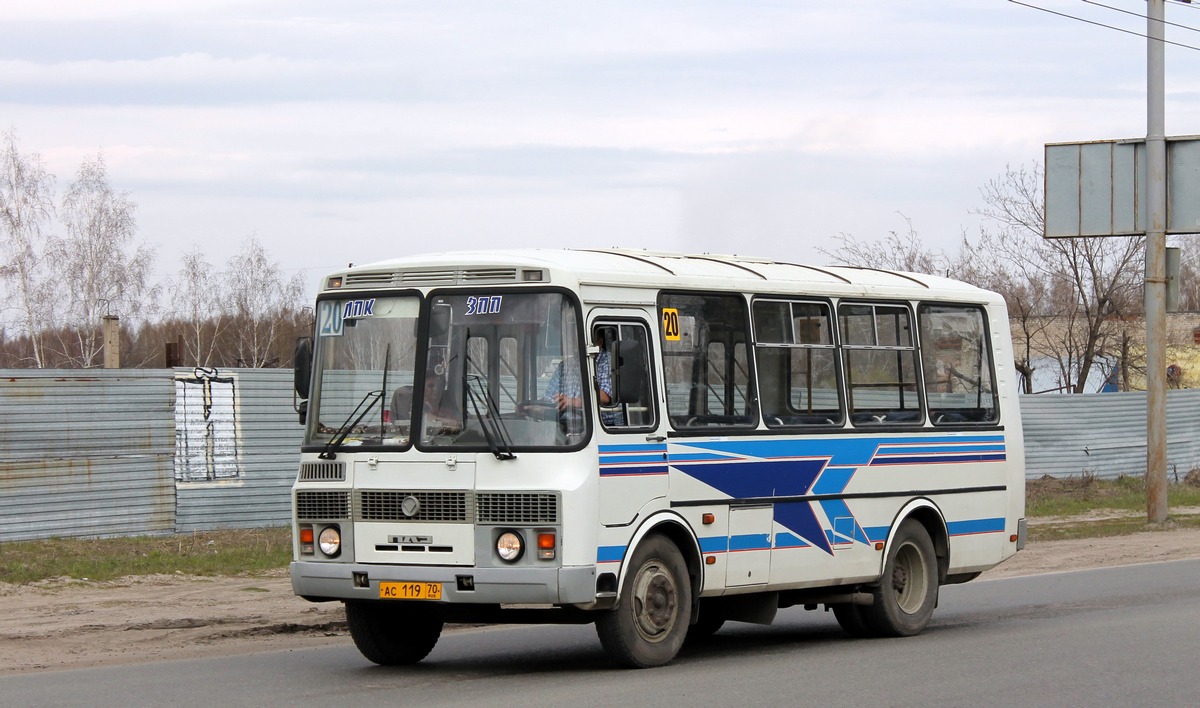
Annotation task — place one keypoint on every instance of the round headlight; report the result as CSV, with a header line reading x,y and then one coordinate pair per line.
x,y
330,541
509,546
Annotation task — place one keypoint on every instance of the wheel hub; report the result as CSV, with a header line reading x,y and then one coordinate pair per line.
x,y
656,603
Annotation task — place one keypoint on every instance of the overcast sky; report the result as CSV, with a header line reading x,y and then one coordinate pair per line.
x,y
356,131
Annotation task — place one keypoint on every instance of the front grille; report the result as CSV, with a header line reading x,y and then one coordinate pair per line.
x,y
322,505
446,507
517,508
322,472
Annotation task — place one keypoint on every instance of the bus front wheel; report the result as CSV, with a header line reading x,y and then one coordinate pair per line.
x,y
907,592
651,619
391,634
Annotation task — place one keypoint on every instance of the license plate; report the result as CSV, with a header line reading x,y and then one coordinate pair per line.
x,y
410,591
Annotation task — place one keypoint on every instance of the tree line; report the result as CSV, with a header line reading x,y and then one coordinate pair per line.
x,y
1074,304
67,262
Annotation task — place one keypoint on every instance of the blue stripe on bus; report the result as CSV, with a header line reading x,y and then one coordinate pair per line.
x,y
713,544
934,459
876,533
610,554
912,448
626,459
750,542
649,447
787,540
633,470
974,526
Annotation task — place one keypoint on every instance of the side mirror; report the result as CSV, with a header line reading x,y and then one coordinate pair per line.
x,y
302,375
629,371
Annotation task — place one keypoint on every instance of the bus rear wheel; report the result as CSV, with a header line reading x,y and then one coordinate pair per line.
x,y
907,592
392,634
651,619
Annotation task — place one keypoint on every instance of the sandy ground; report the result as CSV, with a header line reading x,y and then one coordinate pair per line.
x,y
69,624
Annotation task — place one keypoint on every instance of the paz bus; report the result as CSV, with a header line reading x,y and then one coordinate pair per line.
x,y
743,435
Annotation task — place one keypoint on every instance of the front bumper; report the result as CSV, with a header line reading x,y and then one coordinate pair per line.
x,y
555,586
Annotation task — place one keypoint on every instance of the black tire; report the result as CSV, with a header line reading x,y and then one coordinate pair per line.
x,y
709,620
392,634
907,592
651,619
851,618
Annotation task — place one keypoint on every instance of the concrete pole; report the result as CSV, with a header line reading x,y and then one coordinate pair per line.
x,y
1156,266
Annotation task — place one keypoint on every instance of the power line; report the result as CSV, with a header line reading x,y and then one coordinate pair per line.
x,y
1138,14
1101,24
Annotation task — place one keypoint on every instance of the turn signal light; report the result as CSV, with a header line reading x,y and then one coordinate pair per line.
x,y
708,518
547,544
306,540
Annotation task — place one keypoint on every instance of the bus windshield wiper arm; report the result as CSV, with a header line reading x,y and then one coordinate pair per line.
x,y
489,420
366,404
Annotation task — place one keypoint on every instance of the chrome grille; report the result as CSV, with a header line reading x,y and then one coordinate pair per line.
x,y
517,508
385,505
322,472
322,505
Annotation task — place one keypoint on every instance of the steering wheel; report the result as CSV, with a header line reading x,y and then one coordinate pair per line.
x,y
539,410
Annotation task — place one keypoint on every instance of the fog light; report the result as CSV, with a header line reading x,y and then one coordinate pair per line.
x,y
510,546
330,541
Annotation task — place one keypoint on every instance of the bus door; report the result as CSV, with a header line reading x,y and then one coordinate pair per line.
x,y
633,466
713,413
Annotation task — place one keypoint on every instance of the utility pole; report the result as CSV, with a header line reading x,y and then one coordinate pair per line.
x,y
1156,265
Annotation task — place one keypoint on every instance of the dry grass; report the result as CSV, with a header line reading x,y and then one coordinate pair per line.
x,y
225,552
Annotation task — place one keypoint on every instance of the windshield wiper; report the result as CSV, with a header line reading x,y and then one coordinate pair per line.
x,y
498,439
366,404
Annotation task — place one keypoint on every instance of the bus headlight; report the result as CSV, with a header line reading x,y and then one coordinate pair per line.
x,y
510,546
330,541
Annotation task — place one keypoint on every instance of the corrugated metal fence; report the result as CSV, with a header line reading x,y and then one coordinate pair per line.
x,y
126,452
1104,434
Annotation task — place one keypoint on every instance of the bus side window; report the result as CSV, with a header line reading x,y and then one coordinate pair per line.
x,y
957,365
797,365
626,352
706,361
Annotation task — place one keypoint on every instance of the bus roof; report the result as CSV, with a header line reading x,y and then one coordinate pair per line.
x,y
624,267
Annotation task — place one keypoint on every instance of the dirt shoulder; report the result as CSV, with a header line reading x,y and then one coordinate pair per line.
x,y
73,624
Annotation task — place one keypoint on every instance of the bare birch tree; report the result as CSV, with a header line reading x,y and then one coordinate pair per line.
x,y
262,305
200,308
97,263
26,208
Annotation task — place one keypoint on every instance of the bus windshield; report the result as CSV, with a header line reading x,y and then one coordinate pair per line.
x,y
496,368
365,355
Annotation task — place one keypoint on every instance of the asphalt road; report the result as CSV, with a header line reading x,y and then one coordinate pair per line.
x,y
1105,637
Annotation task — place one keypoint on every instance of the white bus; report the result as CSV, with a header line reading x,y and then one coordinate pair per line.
x,y
655,443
